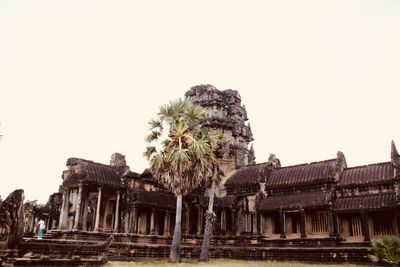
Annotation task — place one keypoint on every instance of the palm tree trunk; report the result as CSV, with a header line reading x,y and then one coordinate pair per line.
x,y
210,218
175,253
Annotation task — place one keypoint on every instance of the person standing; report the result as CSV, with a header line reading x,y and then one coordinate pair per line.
x,y
40,228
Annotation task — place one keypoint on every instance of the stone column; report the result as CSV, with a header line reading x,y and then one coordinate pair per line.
x,y
139,221
303,232
116,221
85,210
135,220
365,226
167,223
187,215
48,226
152,222
261,223
282,223
126,222
64,211
78,208
199,220
223,221
333,223
254,223
32,226
53,224
238,224
97,221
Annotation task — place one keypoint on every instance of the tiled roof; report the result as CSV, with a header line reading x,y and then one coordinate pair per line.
x,y
295,201
301,174
370,174
249,174
220,202
369,202
86,171
156,199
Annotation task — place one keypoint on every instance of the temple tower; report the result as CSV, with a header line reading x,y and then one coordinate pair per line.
x,y
229,117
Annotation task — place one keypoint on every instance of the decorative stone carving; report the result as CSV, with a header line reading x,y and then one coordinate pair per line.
x,y
274,161
118,161
228,116
395,159
12,217
252,157
341,164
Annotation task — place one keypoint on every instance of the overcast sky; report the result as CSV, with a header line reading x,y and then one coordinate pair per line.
x,y
83,78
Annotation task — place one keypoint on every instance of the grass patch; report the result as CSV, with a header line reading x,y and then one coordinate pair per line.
x,y
220,263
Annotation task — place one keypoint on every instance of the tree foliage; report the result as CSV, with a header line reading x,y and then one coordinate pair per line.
x,y
185,157
387,250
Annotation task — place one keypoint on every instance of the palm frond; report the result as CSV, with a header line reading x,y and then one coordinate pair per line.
x,y
153,136
150,150
195,113
387,250
155,125
158,163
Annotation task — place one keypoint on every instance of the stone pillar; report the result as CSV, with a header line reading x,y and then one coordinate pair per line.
x,y
54,224
282,223
152,222
85,210
62,225
116,221
32,226
365,226
135,220
261,223
199,220
233,222
238,224
167,223
223,221
48,226
303,232
126,222
333,223
78,208
97,221
187,215
139,221
254,226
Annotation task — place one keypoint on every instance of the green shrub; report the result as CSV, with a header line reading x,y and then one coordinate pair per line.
x,y
387,250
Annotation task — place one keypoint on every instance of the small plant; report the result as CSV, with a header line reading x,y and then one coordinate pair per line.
x,y
387,250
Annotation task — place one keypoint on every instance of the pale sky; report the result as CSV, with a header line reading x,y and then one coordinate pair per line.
x,y
83,78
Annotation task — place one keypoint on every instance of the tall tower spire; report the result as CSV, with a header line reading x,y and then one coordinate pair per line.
x,y
229,117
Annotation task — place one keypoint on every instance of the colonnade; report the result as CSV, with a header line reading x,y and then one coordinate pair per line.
x,y
75,207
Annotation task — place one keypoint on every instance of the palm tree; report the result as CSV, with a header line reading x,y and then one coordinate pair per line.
x,y
184,158
210,215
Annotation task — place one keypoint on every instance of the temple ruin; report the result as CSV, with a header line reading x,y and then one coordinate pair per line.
x,y
318,211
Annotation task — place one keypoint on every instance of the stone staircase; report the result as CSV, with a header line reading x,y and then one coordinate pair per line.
x,y
135,246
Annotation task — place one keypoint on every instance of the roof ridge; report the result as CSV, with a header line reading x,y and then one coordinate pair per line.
x,y
367,165
306,164
254,165
368,195
92,162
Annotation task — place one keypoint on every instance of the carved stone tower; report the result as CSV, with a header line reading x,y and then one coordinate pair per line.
x,y
229,117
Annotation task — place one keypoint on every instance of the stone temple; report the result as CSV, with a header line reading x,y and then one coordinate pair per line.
x,y
318,211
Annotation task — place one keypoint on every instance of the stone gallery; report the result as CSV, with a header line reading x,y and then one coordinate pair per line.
x,y
319,211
